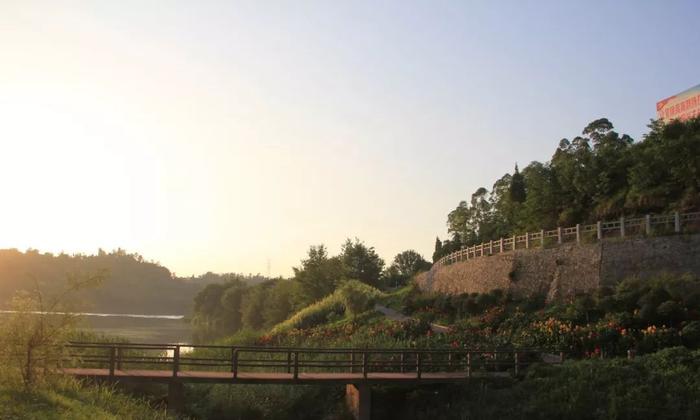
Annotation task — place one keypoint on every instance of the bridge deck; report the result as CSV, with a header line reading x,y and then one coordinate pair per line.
x,y
278,378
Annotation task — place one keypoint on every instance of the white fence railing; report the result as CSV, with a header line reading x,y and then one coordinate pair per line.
x,y
598,231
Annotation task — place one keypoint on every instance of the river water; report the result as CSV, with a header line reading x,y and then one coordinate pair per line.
x,y
137,328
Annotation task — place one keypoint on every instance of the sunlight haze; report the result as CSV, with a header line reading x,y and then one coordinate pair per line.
x,y
218,136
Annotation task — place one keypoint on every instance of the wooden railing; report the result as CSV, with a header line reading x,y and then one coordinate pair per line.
x,y
175,358
647,225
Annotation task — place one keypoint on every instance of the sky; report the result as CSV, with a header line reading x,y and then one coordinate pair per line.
x,y
230,136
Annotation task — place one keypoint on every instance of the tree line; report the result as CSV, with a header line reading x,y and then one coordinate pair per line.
x,y
131,284
235,305
598,175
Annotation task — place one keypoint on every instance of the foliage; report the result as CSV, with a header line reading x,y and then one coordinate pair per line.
x,y
131,284
222,309
405,265
598,175
317,276
361,262
38,325
664,385
69,399
354,293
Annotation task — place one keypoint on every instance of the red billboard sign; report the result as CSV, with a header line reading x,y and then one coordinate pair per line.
x,y
682,106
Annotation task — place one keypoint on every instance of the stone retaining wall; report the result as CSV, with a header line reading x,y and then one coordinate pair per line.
x,y
567,269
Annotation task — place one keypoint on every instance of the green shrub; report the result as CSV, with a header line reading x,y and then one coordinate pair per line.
x,y
690,334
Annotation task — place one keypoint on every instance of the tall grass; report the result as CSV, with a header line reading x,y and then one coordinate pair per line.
x,y
68,398
333,304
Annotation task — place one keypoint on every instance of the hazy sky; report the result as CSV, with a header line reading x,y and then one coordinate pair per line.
x,y
220,135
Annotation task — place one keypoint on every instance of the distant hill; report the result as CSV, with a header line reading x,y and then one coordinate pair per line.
x,y
131,285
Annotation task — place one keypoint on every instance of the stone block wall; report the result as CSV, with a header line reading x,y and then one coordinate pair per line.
x,y
567,269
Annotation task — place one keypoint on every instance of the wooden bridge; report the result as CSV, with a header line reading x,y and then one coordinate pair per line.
x,y
357,369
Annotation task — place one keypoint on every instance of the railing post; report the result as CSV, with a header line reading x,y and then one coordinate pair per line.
x,y
296,365
289,361
676,222
176,360
418,365
622,226
403,359
233,361
365,363
469,364
515,359
599,230
119,358
647,224
542,238
559,235
491,247
500,245
112,354
578,233
514,242
449,361
234,364
352,361
527,240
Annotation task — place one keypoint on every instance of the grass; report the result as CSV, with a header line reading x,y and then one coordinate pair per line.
x,y
327,309
67,398
395,300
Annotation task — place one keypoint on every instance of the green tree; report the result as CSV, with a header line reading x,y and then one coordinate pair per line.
x,y
279,303
517,191
361,262
405,265
33,334
317,276
252,307
437,253
231,304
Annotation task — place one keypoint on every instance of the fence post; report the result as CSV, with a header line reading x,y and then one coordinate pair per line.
x,y
559,235
622,226
289,361
234,364
514,242
469,364
676,222
403,360
112,353
599,230
296,365
578,233
365,363
233,359
119,358
176,360
515,359
500,245
647,224
352,361
491,247
542,238
527,240
418,366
